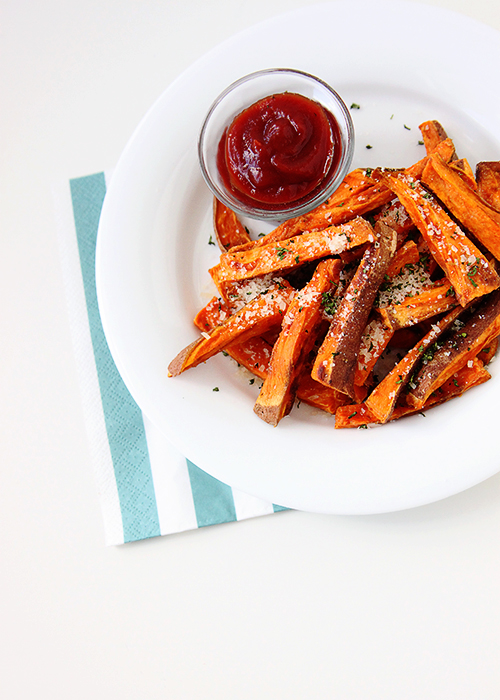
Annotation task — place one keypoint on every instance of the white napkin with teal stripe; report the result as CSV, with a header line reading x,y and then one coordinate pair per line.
x,y
146,487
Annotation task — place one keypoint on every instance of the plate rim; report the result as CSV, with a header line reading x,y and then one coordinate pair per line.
x,y
118,185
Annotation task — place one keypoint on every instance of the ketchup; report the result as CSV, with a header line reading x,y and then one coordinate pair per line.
x,y
279,150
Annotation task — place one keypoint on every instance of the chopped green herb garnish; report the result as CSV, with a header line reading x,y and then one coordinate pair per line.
x,y
329,302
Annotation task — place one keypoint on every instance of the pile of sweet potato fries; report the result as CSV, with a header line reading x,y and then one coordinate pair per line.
x,y
397,264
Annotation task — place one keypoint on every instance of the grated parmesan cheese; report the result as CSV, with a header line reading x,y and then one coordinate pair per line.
x,y
410,281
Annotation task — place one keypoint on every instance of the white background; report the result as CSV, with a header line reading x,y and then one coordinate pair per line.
x,y
395,607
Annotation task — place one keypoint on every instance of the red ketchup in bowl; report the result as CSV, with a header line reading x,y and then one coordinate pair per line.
x,y
279,150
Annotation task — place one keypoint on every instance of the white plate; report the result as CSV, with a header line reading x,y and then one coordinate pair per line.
x,y
403,63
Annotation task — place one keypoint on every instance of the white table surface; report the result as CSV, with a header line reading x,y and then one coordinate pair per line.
x,y
403,606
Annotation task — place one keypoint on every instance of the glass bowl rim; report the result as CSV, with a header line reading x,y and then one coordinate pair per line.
x,y
289,211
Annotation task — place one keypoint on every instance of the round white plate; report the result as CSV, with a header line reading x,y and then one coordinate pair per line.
x,y
402,63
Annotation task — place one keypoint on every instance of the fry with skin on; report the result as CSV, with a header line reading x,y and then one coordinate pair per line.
x,y
433,134
359,415
378,333
336,361
488,182
460,348
382,400
294,343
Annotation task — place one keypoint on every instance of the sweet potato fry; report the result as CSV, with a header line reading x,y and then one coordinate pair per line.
x,y
254,353
464,265
359,415
430,302
406,255
374,341
274,257
433,134
229,231
336,361
396,216
488,352
263,312
488,182
464,204
463,169
378,334
294,343
212,314
319,396
461,347
382,400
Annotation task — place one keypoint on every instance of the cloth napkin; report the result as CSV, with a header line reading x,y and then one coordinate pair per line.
x,y
146,487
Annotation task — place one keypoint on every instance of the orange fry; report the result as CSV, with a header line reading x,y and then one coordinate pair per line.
x,y
294,343
460,348
274,257
229,231
359,415
257,317
464,204
488,182
465,266
412,310
382,400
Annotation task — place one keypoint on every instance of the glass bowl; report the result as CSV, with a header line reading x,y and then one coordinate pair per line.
x,y
242,94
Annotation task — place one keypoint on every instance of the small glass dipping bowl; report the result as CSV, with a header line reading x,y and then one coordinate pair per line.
x,y
242,94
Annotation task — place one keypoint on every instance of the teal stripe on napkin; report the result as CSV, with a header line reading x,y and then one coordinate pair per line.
x,y
213,500
124,422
